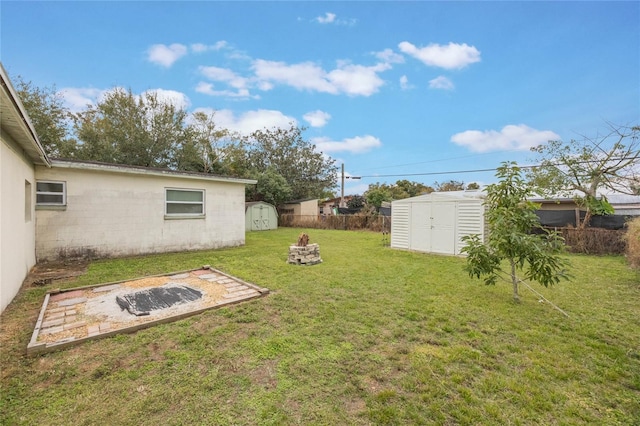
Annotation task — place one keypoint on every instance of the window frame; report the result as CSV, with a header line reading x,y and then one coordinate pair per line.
x,y
167,202
63,202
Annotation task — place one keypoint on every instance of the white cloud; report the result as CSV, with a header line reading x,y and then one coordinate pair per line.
x,y
302,76
353,80
328,18
164,55
209,89
450,56
225,75
250,121
404,83
357,80
201,47
355,145
77,99
512,137
441,82
332,18
317,118
177,99
389,56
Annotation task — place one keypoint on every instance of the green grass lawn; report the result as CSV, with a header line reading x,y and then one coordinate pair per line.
x,y
372,335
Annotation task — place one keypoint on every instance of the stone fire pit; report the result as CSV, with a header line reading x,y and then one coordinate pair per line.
x,y
304,253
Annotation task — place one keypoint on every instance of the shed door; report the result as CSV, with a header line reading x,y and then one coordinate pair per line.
x,y
265,218
443,228
420,238
258,218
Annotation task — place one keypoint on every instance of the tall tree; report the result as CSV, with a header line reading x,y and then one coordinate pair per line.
x,y
204,149
473,186
49,116
405,189
377,193
450,185
270,187
307,172
511,218
135,130
581,169
356,202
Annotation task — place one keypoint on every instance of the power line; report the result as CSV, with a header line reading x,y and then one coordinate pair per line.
x,y
441,159
484,170
439,173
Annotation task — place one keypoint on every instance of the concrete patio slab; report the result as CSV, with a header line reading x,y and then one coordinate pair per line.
x,y
70,317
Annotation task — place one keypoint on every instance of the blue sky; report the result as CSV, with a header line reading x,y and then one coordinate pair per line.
x,y
394,90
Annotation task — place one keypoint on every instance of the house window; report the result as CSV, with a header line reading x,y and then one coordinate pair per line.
x,y
184,202
51,193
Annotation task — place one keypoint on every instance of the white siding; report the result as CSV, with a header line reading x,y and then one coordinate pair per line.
x,y
470,221
17,246
117,214
400,219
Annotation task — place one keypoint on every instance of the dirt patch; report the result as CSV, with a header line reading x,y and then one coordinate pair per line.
x,y
46,273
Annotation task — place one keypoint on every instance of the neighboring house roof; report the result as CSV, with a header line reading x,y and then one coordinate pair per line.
x,y
139,170
300,201
614,199
16,123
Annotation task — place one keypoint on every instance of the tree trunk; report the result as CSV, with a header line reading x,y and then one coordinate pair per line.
x,y
514,280
587,218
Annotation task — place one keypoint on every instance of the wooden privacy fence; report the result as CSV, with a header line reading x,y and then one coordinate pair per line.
x,y
376,223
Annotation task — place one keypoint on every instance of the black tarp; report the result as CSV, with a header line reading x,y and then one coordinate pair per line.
x,y
141,302
562,218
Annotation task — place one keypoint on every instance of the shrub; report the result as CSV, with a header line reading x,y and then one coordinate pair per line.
x,y
594,240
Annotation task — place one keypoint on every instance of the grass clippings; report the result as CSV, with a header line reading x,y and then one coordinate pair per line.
x,y
372,335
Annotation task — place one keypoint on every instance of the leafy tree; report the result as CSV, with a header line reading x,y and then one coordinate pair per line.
x,y
356,202
511,218
451,185
206,145
271,187
49,116
377,193
307,172
134,130
610,162
473,186
405,189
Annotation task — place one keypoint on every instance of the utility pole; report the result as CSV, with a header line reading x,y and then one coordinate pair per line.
x,y
342,189
342,203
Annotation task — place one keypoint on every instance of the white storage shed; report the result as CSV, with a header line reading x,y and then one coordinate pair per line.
x,y
436,222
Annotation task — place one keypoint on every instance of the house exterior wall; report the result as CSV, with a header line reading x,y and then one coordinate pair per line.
x,y
111,214
309,208
17,219
302,208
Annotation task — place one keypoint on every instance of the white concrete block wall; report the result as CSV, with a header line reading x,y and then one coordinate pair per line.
x,y
116,214
17,220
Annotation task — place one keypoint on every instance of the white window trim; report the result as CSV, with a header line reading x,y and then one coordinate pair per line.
x,y
184,215
63,193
